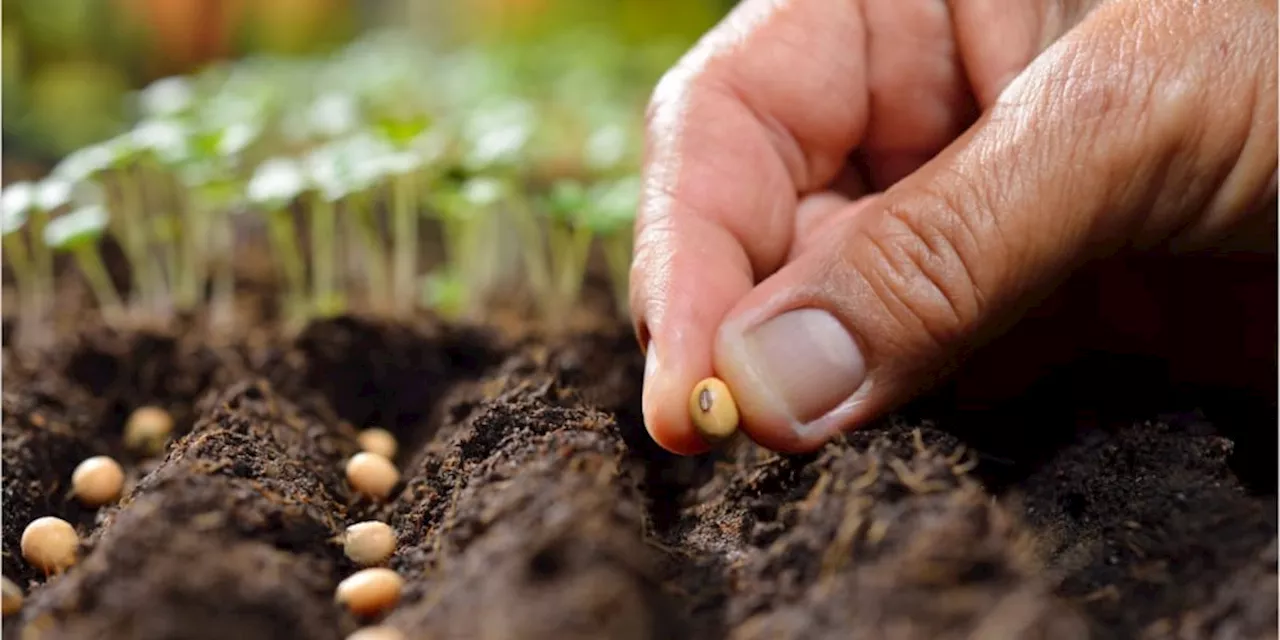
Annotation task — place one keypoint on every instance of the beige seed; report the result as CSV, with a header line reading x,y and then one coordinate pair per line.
x,y
713,411
370,591
372,475
50,544
97,481
369,543
377,632
379,441
147,430
11,600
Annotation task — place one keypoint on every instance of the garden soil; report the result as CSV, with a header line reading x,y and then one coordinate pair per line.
x,y
534,505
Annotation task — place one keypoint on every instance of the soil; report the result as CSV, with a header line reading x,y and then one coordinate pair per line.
x,y
534,505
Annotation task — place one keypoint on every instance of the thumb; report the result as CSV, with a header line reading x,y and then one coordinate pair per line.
x,y
1147,126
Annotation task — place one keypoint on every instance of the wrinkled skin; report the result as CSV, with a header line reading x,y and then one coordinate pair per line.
x,y
989,185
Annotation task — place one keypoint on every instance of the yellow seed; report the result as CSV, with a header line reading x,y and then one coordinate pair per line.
x,y
97,481
11,602
147,430
379,441
377,632
50,544
370,591
369,543
713,411
372,475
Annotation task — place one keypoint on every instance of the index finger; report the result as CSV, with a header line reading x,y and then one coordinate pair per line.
x,y
767,106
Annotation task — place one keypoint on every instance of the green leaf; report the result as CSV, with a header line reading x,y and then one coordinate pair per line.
x,y
16,201
77,227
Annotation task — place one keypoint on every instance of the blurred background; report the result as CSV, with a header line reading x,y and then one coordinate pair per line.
x,y
70,67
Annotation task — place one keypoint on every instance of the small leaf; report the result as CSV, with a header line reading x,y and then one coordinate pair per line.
x,y
333,115
53,192
87,162
76,227
167,97
15,203
166,139
276,182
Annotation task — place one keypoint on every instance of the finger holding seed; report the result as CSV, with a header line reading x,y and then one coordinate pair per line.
x,y
97,481
369,543
50,544
713,411
11,602
379,441
369,592
372,475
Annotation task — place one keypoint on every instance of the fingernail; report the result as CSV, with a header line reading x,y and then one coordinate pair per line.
x,y
650,368
805,361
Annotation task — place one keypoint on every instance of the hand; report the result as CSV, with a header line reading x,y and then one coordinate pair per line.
x,y
843,200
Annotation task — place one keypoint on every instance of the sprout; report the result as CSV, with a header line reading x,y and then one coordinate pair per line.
x,y
167,97
611,215
77,232
333,115
53,192
16,201
497,135
165,139
275,184
85,163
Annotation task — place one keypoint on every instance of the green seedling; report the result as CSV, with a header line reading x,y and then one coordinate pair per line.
x,y
466,210
275,185
163,147
16,203
569,243
78,232
611,216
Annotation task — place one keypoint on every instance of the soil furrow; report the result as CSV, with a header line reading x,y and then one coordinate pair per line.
x,y
231,535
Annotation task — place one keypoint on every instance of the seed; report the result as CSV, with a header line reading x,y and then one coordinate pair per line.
x,y
713,411
369,543
97,481
378,632
51,544
379,441
372,475
11,602
147,430
370,591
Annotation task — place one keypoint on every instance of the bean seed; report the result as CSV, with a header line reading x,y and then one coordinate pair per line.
x,y
379,441
370,591
97,481
50,544
372,475
369,543
713,411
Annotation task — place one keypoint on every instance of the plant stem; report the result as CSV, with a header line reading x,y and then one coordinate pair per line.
x,y
15,249
361,214
224,276
324,256
284,234
193,235
406,248
133,238
95,272
534,250
617,254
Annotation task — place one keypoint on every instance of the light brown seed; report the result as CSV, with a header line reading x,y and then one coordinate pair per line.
x,y
370,591
11,600
369,543
147,430
713,411
377,632
50,544
372,475
379,441
97,481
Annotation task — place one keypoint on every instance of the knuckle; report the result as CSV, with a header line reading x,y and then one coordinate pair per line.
x,y
918,259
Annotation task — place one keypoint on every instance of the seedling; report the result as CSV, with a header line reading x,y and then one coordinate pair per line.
x,y
16,203
610,216
78,232
274,187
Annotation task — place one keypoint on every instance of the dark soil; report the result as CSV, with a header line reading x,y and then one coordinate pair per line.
x,y
534,505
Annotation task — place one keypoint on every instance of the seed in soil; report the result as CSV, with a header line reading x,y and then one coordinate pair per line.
x,y
372,475
97,481
378,632
11,600
50,544
379,441
369,543
147,430
369,592
713,411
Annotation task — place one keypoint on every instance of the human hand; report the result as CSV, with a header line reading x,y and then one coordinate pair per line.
x,y
843,200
